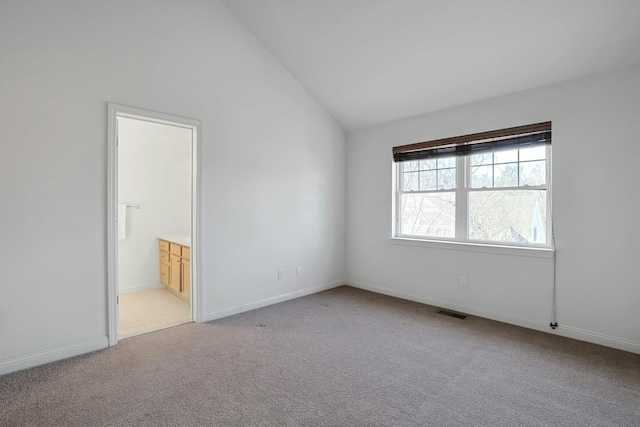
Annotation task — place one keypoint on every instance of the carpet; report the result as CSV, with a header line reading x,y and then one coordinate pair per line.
x,y
343,357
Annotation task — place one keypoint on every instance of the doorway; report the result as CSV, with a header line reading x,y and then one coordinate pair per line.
x,y
153,221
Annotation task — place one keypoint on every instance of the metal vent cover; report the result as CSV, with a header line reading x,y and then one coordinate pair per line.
x,y
452,314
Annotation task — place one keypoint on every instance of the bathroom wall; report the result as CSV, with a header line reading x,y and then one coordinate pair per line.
x,y
154,173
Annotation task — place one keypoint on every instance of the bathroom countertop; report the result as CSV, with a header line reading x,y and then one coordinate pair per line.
x,y
183,239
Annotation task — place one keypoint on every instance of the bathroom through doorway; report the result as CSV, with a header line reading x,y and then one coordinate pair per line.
x,y
153,197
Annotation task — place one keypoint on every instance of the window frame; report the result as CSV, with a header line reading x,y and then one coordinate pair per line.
x,y
462,191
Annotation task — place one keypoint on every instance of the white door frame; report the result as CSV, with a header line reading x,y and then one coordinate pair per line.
x,y
115,111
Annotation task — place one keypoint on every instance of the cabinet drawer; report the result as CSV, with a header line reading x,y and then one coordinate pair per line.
x,y
164,245
186,252
164,257
175,249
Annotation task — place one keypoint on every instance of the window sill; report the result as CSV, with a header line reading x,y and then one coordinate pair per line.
x,y
476,247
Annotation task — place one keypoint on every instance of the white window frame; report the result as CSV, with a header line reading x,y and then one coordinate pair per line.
x,y
462,191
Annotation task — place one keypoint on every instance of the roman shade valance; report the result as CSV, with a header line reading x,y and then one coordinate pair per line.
x,y
519,136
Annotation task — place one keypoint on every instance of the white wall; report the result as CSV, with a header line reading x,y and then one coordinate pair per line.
x,y
154,173
595,170
273,162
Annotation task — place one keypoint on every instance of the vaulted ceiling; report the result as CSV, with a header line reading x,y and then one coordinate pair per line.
x,y
372,61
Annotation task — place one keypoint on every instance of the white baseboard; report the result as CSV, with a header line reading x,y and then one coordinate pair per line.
x,y
218,314
562,330
40,358
53,355
140,288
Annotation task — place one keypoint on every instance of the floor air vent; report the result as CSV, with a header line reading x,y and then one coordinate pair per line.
x,y
452,314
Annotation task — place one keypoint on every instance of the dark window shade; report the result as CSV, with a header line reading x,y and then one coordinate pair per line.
x,y
521,136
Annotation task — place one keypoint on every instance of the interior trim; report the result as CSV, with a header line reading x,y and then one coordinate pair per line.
x,y
538,325
115,111
53,355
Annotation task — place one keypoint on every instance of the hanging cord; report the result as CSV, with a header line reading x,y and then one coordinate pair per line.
x,y
554,307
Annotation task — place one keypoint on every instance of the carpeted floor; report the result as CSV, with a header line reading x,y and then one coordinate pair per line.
x,y
344,357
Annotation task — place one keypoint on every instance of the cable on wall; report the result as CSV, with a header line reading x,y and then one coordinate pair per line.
x,y
554,307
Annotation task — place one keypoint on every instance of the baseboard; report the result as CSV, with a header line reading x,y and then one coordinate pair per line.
x,y
141,288
218,314
562,330
597,338
53,355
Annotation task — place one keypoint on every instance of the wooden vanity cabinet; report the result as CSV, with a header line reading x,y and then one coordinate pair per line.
x,y
175,268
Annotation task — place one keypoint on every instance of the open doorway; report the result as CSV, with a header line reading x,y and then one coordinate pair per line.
x,y
154,226
153,221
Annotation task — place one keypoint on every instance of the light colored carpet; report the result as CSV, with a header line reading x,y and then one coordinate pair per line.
x,y
344,357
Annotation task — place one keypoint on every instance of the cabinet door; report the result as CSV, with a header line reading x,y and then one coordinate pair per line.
x,y
164,274
186,278
175,272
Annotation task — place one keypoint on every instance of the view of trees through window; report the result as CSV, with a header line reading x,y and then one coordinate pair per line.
x,y
429,199
505,196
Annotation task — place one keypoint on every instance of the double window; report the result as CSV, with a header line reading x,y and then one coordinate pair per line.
x,y
492,187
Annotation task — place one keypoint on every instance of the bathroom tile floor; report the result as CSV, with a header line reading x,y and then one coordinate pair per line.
x,y
148,311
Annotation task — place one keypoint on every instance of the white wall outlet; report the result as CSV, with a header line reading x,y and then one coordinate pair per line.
x,y
463,281
298,271
280,274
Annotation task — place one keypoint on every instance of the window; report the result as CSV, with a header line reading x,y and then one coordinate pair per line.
x,y
492,187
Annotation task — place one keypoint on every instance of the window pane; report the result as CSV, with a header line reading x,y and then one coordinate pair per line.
x,y
481,176
517,216
534,153
447,162
533,173
446,179
410,181
428,215
427,164
428,180
481,159
410,166
506,175
506,156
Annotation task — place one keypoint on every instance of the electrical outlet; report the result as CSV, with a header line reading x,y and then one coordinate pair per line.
x,y
298,271
280,274
463,282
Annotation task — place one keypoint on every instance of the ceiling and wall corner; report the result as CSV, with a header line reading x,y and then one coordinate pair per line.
x,y
374,61
397,72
